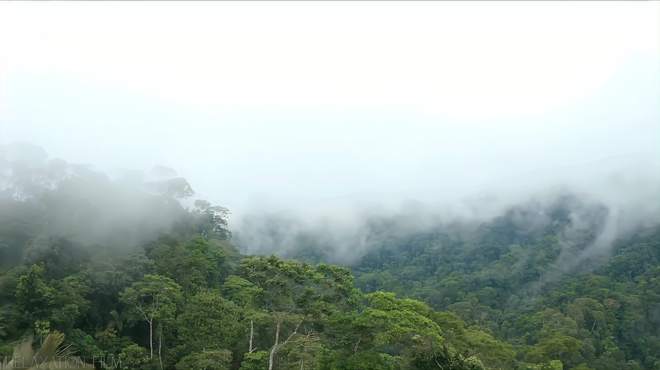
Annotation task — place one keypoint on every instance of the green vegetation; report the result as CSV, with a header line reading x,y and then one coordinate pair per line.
x,y
170,291
598,315
240,313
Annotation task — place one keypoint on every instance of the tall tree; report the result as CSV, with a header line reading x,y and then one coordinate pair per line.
x,y
154,300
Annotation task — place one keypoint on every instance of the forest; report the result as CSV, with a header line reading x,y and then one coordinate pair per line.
x,y
130,272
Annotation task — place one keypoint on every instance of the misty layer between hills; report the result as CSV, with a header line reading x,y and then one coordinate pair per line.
x,y
589,209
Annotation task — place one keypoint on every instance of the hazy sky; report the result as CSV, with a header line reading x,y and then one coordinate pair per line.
x,y
306,102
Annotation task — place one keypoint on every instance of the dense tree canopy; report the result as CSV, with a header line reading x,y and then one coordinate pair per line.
x,y
164,288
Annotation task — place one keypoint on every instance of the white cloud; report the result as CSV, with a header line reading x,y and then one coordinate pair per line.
x,y
461,60
328,99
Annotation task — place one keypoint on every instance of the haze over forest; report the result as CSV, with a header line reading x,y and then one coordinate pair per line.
x,y
463,118
497,163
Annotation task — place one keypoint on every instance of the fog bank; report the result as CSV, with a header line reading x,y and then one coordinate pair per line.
x,y
310,121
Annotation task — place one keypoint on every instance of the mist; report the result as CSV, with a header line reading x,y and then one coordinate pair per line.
x,y
314,137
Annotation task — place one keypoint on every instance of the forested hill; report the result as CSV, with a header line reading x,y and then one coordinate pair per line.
x,y
537,292
117,272
131,273
549,278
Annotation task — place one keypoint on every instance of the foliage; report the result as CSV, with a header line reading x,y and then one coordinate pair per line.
x,y
493,295
207,360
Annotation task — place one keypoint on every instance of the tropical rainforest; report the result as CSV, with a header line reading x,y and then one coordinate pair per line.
x,y
128,272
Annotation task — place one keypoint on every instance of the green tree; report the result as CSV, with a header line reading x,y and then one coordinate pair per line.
x,y
209,322
34,296
133,357
154,300
206,360
195,264
246,295
257,360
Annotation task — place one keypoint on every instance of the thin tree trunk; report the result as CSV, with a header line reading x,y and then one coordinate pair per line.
x,y
151,339
160,345
251,348
271,356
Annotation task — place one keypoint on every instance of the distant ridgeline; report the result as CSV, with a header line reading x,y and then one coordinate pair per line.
x,y
550,280
51,204
123,273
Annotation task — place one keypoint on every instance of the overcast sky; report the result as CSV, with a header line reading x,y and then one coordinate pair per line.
x,y
302,102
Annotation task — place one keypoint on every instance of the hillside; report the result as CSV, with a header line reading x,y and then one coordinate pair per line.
x,y
122,274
